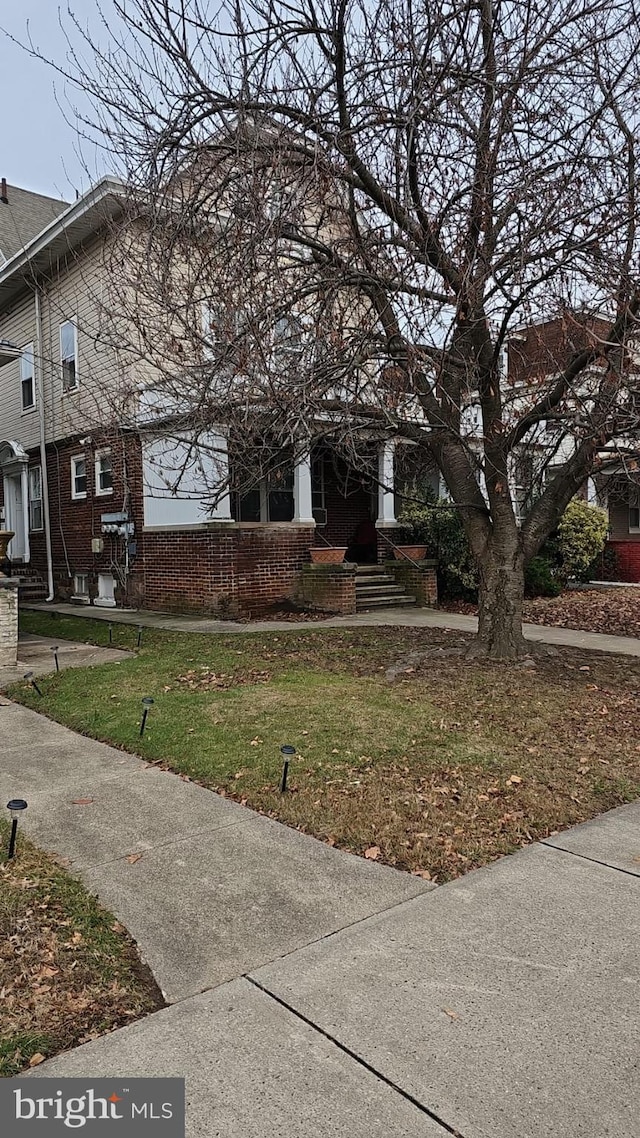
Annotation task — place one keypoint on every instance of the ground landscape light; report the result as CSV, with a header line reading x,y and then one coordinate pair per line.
x,y
16,807
147,704
55,656
288,752
30,680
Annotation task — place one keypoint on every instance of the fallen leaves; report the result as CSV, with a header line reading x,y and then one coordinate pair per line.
x,y
372,853
37,1059
133,858
81,801
205,679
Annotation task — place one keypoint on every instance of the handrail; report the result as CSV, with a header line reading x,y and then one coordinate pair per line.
x,y
393,545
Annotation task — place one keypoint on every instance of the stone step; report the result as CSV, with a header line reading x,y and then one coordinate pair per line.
x,y
375,582
362,604
378,590
362,569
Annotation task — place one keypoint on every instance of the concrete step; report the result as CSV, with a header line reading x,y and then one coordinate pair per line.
x,y
383,590
363,605
375,582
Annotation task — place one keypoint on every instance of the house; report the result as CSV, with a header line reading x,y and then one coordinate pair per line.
x,y
90,488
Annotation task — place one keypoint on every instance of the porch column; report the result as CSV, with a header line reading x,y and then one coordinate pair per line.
x,y
219,445
24,486
302,500
386,498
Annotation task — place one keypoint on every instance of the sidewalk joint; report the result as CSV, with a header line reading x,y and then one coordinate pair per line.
x,y
358,1059
593,860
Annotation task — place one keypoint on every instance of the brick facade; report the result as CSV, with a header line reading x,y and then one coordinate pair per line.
x,y
328,588
420,580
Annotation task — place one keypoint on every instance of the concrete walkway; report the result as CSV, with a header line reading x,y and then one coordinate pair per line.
x,y
316,995
400,617
36,654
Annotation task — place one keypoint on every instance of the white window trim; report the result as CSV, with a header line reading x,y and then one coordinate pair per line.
x,y
73,320
32,406
104,453
75,458
32,528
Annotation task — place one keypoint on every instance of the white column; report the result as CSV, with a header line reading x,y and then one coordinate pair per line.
x,y
302,500
220,452
386,498
24,480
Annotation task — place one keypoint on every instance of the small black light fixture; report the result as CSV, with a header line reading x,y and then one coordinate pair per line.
x,y
147,704
30,680
288,752
55,656
110,633
16,807
139,641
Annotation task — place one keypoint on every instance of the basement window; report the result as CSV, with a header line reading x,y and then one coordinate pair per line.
x,y
81,585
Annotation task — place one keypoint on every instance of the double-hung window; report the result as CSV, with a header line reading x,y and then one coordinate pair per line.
x,y
27,384
35,498
69,355
104,472
78,477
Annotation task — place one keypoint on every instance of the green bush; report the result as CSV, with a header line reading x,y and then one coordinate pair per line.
x,y
438,526
539,580
579,538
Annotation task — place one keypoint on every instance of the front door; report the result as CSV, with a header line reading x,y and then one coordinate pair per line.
x,y
14,516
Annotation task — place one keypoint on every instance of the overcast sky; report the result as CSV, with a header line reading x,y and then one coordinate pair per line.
x,y
40,150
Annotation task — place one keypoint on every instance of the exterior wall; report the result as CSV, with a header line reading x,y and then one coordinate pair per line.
x,y
419,580
328,588
627,559
79,290
229,570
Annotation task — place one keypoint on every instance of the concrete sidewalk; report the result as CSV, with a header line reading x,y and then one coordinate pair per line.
x,y
348,999
35,654
400,617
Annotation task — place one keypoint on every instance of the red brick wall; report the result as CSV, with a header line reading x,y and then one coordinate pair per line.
x,y
75,522
328,588
226,570
628,559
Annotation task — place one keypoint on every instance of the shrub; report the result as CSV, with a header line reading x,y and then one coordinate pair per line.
x,y
539,580
580,537
438,526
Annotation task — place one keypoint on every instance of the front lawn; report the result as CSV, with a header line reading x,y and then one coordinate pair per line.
x,y
407,752
68,970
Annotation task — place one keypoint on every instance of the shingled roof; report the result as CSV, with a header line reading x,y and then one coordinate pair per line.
x,y
22,216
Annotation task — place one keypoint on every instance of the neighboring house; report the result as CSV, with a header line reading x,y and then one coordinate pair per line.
x,y
92,503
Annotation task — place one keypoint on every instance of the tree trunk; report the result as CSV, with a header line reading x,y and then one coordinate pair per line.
x,y
500,599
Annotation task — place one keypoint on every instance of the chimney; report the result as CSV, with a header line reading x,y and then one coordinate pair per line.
x,y
3,192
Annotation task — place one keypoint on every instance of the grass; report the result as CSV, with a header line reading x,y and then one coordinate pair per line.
x,y
68,970
406,750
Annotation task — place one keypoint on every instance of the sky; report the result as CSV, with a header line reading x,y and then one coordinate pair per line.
x,y
40,150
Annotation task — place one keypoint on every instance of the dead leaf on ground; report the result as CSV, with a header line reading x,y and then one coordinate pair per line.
x,y
81,801
133,858
450,1012
37,1059
373,853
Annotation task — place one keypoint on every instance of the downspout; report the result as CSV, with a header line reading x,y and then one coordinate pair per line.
x,y
43,449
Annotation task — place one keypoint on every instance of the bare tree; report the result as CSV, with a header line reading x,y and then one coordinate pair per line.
x,y
368,200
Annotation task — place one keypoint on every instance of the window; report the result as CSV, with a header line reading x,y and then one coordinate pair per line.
x,y
27,385
317,490
104,472
78,476
288,343
69,355
81,585
35,498
634,513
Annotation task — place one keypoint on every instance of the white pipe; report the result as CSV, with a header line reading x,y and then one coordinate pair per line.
x,y
43,449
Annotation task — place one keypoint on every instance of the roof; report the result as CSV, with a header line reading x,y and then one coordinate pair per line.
x,y
22,216
63,233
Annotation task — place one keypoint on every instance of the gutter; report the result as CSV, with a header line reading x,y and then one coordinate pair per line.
x,y
43,450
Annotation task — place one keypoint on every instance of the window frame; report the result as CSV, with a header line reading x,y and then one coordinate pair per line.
x,y
32,378
76,591
73,321
78,496
36,501
99,455
635,506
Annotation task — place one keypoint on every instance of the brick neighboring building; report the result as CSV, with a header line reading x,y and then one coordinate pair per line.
x,y
94,521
